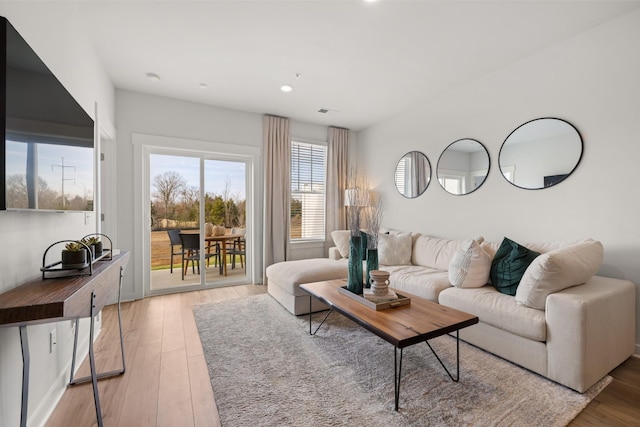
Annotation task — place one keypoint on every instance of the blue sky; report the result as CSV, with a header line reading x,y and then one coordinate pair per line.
x,y
216,173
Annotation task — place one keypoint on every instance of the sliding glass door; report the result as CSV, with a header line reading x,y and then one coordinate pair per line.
x,y
198,211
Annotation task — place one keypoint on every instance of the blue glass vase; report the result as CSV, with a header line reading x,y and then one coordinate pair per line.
x,y
372,264
354,282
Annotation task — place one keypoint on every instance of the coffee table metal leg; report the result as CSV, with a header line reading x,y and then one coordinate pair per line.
x,y
310,313
397,369
457,377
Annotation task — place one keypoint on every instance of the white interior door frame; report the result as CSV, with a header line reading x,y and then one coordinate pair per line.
x,y
144,146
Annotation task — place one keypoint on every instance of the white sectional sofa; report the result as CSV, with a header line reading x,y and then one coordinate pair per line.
x,y
571,333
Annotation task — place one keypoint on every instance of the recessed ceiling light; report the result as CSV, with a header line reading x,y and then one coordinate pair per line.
x,y
286,88
153,77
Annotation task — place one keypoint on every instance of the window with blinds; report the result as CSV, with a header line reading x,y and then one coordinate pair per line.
x,y
403,181
308,186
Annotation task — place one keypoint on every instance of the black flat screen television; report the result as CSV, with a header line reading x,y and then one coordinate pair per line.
x,y
47,141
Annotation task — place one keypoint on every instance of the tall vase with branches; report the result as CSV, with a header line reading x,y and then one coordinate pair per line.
x,y
356,198
373,220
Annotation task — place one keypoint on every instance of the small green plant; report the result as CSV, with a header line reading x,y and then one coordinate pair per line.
x,y
73,246
91,240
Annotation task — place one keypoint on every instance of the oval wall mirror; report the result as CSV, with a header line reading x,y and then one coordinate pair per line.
x,y
463,166
413,173
540,153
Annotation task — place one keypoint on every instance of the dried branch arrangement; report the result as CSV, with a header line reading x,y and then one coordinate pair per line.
x,y
356,198
373,221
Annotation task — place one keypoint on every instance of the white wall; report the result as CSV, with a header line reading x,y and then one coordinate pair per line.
x,y
138,113
591,81
28,234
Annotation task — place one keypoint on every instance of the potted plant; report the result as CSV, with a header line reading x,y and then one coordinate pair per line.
x,y
74,255
95,244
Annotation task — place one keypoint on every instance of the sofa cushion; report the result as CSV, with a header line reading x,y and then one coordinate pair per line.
x,y
289,275
470,266
557,270
433,252
422,281
509,264
542,247
341,240
498,310
394,249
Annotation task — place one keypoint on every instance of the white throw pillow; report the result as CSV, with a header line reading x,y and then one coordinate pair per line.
x,y
341,240
470,266
394,249
557,270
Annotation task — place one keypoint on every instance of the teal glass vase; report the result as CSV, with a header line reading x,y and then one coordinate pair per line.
x,y
354,282
372,264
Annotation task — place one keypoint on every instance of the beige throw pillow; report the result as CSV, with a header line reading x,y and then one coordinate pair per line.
x,y
341,240
557,270
394,249
470,266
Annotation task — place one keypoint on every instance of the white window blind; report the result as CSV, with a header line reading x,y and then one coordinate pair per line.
x,y
403,178
308,186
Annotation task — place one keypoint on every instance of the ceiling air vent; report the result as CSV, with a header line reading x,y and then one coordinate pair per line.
x,y
327,110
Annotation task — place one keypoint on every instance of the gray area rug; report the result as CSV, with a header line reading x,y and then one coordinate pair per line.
x,y
267,370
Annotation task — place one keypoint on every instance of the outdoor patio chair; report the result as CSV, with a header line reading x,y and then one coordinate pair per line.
x,y
237,248
191,252
174,238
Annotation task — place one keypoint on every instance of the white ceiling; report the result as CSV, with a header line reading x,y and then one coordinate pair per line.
x,y
363,61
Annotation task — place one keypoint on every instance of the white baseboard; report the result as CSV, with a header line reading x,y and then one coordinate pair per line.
x,y
45,408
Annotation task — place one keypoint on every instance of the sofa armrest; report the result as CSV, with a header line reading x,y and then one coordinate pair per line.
x,y
590,330
334,253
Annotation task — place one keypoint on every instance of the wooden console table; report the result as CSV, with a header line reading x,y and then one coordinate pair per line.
x,y
69,298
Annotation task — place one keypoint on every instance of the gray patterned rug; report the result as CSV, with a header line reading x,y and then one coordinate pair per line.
x,y
267,370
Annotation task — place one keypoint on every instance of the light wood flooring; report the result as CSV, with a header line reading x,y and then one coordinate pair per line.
x,y
167,383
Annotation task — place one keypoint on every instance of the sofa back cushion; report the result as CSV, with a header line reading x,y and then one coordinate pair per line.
x,y
341,240
542,247
557,270
435,253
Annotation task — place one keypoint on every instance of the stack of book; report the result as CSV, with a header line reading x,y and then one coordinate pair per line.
x,y
370,296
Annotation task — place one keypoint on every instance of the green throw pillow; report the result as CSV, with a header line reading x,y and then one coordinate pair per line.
x,y
508,266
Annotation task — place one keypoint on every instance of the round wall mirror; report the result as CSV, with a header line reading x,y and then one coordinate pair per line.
x,y
413,174
463,166
540,153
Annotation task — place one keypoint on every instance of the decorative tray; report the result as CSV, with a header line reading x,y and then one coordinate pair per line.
x,y
402,300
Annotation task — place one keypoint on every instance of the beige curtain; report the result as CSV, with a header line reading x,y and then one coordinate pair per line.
x,y
418,173
337,171
277,191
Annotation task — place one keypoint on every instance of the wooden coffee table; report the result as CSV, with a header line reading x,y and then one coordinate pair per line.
x,y
401,326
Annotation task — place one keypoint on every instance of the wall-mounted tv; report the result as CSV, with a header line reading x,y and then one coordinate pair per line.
x,y
46,140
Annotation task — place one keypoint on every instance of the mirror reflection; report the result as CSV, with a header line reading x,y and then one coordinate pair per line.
x,y
540,153
413,174
463,166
